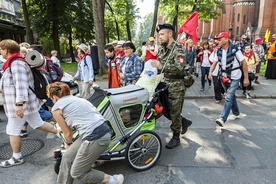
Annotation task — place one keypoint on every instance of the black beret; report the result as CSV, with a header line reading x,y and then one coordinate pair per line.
x,y
164,26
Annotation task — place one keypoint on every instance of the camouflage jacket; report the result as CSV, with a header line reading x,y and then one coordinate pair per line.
x,y
176,63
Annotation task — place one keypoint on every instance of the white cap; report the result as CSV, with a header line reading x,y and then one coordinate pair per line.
x,y
121,42
83,47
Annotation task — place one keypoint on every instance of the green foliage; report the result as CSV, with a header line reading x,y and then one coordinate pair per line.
x,y
143,33
207,9
71,68
48,45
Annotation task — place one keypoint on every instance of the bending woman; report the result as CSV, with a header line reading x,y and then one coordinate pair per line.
x,y
73,112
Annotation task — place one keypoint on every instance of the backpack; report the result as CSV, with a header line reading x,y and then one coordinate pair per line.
x,y
55,71
41,82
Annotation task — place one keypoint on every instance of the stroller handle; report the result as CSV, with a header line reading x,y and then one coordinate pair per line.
x,y
161,90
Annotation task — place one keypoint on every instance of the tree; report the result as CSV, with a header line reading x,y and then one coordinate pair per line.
x,y
156,5
29,32
177,11
98,15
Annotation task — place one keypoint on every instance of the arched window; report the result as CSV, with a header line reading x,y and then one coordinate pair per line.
x,y
238,18
244,19
238,31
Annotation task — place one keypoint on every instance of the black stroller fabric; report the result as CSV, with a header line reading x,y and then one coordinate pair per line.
x,y
97,97
163,97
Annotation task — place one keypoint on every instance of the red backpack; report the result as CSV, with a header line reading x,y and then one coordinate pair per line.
x,y
55,71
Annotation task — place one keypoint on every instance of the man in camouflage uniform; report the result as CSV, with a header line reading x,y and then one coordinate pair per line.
x,y
174,73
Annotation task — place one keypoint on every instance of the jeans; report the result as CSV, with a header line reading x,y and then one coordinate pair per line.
x,y
204,72
230,100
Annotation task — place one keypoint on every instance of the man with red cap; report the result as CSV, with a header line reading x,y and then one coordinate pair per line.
x,y
230,59
259,50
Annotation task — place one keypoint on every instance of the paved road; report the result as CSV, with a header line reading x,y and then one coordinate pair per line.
x,y
241,152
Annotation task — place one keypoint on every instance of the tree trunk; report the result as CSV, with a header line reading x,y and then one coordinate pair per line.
x,y
156,5
55,29
175,21
98,16
29,32
128,31
72,55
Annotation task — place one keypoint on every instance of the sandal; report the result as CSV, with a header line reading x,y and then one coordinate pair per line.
x,y
11,162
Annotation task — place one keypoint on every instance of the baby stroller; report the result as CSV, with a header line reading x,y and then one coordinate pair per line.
x,y
131,115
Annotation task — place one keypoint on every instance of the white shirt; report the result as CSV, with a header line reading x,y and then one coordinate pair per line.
x,y
235,74
55,60
144,50
205,62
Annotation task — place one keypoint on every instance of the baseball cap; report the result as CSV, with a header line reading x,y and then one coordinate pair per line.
x,y
258,40
222,35
151,39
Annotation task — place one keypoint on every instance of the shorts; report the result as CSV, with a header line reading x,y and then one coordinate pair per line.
x,y
15,124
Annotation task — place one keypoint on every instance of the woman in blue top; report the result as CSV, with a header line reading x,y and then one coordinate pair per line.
x,y
131,66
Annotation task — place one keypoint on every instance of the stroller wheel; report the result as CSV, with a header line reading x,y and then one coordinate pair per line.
x,y
143,150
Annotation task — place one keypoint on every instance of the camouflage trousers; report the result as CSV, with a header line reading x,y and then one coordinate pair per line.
x,y
175,101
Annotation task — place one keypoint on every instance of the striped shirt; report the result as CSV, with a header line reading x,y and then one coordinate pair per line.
x,y
15,84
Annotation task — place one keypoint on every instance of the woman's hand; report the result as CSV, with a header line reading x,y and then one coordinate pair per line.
x,y
121,75
90,83
19,111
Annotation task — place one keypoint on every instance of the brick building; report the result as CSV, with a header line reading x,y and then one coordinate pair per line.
x,y
11,23
250,17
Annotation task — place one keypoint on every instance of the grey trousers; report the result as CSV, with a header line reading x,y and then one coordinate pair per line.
x,y
85,93
77,161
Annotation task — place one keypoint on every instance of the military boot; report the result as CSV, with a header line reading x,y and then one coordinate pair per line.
x,y
174,142
185,124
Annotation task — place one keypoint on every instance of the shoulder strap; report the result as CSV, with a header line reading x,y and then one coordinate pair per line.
x,y
84,59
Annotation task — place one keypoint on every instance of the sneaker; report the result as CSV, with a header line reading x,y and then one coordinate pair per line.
x,y
23,134
248,95
233,117
11,162
201,89
119,178
217,101
219,122
257,82
244,93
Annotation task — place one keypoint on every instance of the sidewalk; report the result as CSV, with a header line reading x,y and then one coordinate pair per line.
x,y
267,89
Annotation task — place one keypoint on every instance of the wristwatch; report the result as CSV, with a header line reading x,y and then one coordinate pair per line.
x,y
18,104
68,143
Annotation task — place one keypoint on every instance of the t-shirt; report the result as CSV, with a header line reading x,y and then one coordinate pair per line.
x,y
55,60
235,74
80,114
205,61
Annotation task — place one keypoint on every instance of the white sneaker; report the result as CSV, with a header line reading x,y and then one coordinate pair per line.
x,y
233,117
219,122
248,95
119,178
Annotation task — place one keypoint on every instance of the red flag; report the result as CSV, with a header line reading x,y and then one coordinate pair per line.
x,y
190,26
